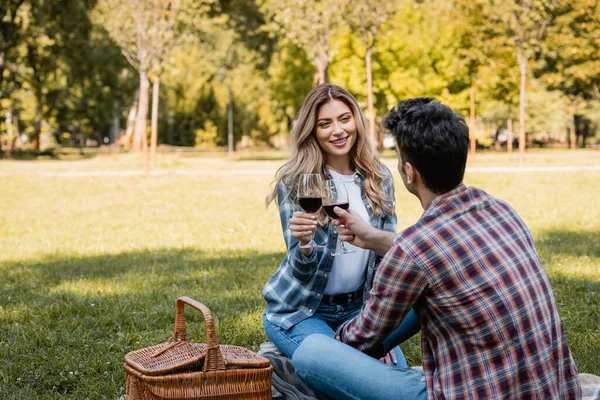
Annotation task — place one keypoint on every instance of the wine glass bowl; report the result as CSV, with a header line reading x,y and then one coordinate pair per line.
x,y
335,194
310,198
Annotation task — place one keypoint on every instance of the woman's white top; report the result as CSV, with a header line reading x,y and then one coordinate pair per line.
x,y
348,271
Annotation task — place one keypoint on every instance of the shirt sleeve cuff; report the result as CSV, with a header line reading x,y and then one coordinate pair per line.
x,y
301,258
303,267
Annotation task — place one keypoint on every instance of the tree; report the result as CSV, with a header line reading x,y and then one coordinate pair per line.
x,y
309,23
472,38
571,59
162,36
51,39
525,22
10,26
141,29
366,18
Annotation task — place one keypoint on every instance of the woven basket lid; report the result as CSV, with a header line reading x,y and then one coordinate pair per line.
x,y
166,357
236,356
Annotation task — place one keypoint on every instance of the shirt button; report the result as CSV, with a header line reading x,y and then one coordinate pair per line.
x,y
325,275
319,295
310,310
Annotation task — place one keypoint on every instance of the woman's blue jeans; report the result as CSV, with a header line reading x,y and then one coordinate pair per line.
x,y
342,372
327,319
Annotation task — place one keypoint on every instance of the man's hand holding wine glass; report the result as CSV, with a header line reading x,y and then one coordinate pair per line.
x,y
351,228
354,230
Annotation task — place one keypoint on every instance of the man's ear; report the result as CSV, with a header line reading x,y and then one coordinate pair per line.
x,y
411,172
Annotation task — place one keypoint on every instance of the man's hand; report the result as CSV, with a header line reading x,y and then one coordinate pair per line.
x,y
352,228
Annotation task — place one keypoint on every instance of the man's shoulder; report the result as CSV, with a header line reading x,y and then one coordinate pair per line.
x,y
456,215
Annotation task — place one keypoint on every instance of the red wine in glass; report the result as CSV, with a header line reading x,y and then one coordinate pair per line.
x,y
310,198
335,194
329,209
310,204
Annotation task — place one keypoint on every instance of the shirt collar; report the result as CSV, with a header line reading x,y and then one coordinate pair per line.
x,y
439,199
357,174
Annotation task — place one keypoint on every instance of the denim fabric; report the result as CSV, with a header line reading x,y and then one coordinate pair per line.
x,y
294,292
342,372
327,319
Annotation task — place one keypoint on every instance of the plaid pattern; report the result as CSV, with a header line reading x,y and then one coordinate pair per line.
x,y
490,327
295,290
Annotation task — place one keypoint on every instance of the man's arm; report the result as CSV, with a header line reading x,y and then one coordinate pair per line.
x,y
399,283
354,230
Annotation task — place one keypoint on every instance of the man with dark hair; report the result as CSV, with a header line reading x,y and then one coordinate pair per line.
x,y
469,269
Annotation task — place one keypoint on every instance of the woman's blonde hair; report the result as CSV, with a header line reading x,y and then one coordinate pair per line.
x,y
308,158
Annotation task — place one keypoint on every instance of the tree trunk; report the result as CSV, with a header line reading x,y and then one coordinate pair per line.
x,y
154,136
131,118
141,121
321,63
509,140
522,59
370,107
2,56
230,148
145,155
37,129
9,127
572,132
114,128
7,122
472,122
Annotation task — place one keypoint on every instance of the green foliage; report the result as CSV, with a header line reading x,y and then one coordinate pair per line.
x,y
206,136
64,74
64,71
571,57
546,111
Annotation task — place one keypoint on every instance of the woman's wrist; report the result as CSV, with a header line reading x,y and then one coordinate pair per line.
x,y
307,251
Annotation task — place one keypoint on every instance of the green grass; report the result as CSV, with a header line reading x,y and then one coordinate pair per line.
x,y
91,266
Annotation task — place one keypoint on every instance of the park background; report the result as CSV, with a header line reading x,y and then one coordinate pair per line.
x,y
139,138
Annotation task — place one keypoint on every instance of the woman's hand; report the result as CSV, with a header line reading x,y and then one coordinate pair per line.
x,y
303,226
389,358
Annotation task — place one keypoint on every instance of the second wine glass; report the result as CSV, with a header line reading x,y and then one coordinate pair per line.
x,y
336,195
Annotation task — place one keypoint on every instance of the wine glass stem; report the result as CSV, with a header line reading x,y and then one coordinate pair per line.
x,y
342,246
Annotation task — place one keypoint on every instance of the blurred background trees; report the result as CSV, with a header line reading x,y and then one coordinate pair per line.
x,y
78,72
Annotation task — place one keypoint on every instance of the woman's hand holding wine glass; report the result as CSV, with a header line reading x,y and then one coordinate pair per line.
x,y
303,226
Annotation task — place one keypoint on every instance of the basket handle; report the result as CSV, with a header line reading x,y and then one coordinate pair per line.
x,y
214,359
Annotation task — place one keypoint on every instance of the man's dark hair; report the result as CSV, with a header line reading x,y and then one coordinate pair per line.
x,y
433,138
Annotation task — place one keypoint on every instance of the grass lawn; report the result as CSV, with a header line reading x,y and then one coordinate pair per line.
x,y
91,265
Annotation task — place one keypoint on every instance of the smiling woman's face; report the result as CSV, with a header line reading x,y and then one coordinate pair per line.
x,y
336,129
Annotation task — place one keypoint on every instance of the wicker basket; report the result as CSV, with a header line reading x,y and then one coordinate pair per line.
x,y
181,370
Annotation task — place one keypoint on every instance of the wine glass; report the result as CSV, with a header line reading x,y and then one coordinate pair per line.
x,y
310,197
336,195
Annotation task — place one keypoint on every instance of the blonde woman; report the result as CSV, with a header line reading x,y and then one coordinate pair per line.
x,y
313,291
